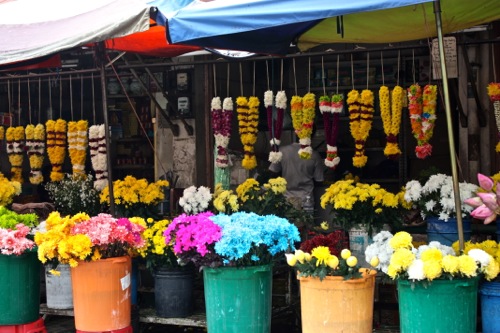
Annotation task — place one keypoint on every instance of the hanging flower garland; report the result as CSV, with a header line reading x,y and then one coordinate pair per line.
x,y
248,121
2,132
276,126
15,150
35,148
331,110
303,110
391,113
494,94
98,155
221,122
361,110
77,145
56,147
422,108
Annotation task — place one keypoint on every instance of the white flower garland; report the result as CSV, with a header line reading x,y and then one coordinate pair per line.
x,y
275,155
98,155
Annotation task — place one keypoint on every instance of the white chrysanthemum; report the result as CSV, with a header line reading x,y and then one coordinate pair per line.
x,y
228,104
413,190
281,99
268,98
216,104
380,248
480,257
416,270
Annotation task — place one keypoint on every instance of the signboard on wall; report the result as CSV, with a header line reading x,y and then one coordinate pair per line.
x,y
450,52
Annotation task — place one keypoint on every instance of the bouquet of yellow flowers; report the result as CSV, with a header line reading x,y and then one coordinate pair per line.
x,y
136,197
8,190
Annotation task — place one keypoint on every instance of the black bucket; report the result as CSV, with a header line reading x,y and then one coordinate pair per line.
x,y
174,293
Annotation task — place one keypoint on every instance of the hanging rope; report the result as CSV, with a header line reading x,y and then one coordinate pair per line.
x,y
227,83
322,75
60,97
50,99
281,76
338,70
352,73
215,79
399,66
367,69
494,64
9,97
295,77
413,65
253,78
19,102
309,75
241,80
93,99
40,99
29,102
81,97
71,96
267,74
382,67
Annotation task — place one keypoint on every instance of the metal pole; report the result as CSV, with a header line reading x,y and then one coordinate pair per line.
x,y
100,49
451,140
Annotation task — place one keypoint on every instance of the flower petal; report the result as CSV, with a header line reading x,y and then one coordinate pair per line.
x,y
474,202
482,212
485,182
489,199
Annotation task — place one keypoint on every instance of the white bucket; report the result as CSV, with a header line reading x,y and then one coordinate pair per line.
x,y
58,288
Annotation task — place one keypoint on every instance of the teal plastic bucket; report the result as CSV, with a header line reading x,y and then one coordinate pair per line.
x,y
19,288
489,293
440,306
446,232
238,300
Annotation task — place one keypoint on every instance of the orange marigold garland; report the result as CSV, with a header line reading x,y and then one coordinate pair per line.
x,y
56,147
248,121
494,94
15,150
35,148
391,113
360,122
77,145
422,108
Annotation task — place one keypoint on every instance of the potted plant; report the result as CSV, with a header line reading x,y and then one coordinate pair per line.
x,y
363,209
19,269
336,295
435,199
432,280
136,197
173,281
98,250
236,253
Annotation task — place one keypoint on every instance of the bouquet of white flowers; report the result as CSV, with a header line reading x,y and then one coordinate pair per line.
x,y
195,200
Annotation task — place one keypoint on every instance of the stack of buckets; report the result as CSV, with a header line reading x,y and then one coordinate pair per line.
x,y
20,294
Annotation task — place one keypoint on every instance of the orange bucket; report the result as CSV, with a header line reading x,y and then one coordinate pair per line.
x,y
102,294
337,305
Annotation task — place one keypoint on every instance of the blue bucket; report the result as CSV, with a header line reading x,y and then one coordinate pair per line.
x,y
446,232
490,306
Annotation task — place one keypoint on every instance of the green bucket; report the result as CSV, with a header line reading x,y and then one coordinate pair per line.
x,y
19,288
238,300
441,306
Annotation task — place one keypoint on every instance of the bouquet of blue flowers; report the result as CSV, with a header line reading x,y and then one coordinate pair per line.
x,y
239,239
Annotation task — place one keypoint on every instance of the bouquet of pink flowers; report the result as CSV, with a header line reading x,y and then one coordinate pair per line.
x,y
14,241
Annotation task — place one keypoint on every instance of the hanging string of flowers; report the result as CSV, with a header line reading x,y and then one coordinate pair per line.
x,y
275,127
98,155
494,94
221,123
303,110
422,108
15,150
77,145
56,147
331,108
2,132
35,148
248,121
391,112
361,110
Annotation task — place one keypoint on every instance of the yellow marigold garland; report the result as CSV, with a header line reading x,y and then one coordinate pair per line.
x,y
391,113
77,145
360,122
35,147
56,147
494,94
2,132
303,111
248,121
15,149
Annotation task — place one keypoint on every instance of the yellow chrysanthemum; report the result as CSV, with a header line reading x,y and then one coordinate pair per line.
x,y
467,265
432,254
432,269
400,240
450,264
322,254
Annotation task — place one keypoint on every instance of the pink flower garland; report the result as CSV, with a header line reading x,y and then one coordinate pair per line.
x,y
275,127
221,124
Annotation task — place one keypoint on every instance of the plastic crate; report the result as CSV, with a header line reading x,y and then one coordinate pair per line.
x,y
34,327
127,329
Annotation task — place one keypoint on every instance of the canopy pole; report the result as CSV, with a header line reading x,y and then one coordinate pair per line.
x,y
451,140
100,49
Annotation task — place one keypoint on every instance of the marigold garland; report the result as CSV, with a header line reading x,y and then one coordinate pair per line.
x,y
422,108
331,108
15,149
77,145
275,125
248,121
303,111
2,132
360,122
98,155
56,147
221,123
494,94
391,113
35,148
